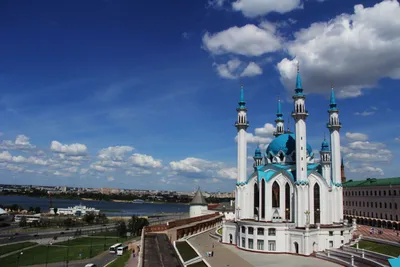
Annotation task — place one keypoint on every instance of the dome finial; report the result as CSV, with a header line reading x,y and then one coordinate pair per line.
x,y
299,86
288,124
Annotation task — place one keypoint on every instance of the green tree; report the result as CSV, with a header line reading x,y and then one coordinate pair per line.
x,y
136,224
22,222
37,210
89,217
31,209
55,211
68,222
121,229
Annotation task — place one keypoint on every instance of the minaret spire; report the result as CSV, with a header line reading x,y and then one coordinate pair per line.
x,y
280,127
334,126
241,126
300,114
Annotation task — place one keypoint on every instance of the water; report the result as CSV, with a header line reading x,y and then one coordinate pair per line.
x,y
123,209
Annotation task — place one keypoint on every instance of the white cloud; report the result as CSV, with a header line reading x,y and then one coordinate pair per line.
x,y
397,139
114,152
352,52
230,173
73,149
254,139
110,178
251,70
216,3
234,69
21,143
248,40
192,165
365,113
383,155
144,161
254,8
368,169
356,136
361,145
267,130
100,168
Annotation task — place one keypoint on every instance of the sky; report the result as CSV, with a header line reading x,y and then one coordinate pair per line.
x,y
143,94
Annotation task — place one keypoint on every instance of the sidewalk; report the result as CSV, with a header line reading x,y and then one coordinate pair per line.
x,y
133,261
388,234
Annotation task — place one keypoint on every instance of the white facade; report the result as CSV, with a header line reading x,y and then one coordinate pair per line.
x,y
198,210
289,203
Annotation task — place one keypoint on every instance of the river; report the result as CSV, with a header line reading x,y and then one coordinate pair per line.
x,y
109,208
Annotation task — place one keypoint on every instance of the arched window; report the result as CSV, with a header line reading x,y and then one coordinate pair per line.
x,y
275,195
395,206
390,204
263,198
317,210
243,229
384,192
256,199
287,201
380,205
385,205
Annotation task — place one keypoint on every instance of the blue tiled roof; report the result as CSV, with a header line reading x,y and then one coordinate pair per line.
x,y
325,146
285,143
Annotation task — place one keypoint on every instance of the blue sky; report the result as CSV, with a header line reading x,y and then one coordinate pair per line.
x,y
143,95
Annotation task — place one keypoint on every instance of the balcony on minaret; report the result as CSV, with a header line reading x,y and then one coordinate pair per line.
x,y
242,124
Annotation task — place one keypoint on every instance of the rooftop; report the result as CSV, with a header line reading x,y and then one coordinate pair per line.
x,y
198,199
373,182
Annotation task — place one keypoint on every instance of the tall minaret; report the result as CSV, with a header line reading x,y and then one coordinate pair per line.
x,y
334,127
342,172
299,115
241,126
280,127
325,154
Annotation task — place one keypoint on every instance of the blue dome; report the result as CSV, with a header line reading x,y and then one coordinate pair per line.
x,y
257,153
285,143
324,146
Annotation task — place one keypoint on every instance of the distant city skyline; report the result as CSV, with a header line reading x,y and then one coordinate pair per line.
x,y
127,94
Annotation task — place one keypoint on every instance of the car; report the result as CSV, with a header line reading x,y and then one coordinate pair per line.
x,y
61,233
16,234
35,235
90,265
66,229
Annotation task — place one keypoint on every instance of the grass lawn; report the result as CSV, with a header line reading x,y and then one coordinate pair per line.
x,y
121,260
14,247
86,241
106,233
198,264
186,251
219,231
380,248
78,249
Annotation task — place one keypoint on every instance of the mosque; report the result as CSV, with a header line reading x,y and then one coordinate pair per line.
x,y
291,202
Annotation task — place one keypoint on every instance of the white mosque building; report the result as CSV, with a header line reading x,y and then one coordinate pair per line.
x,y
290,203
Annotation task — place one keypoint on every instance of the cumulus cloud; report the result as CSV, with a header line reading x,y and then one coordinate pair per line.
x,y
254,139
21,142
235,68
267,130
142,160
251,70
364,113
230,173
356,136
351,51
114,152
254,8
248,40
368,169
110,178
73,149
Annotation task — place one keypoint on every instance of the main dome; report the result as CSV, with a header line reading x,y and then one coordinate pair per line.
x,y
285,143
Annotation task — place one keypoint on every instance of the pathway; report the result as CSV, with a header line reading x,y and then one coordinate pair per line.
x,y
133,261
228,255
387,233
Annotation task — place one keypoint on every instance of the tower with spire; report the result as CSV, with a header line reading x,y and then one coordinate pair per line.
x,y
280,127
257,158
300,115
342,172
334,126
241,125
325,162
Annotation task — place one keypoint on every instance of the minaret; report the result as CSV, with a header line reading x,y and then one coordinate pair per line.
x,y
334,127
325,154
299,115
280,127
241,126
257,158
343,176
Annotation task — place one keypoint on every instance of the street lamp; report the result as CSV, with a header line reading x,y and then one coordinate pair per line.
x,y
19,254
